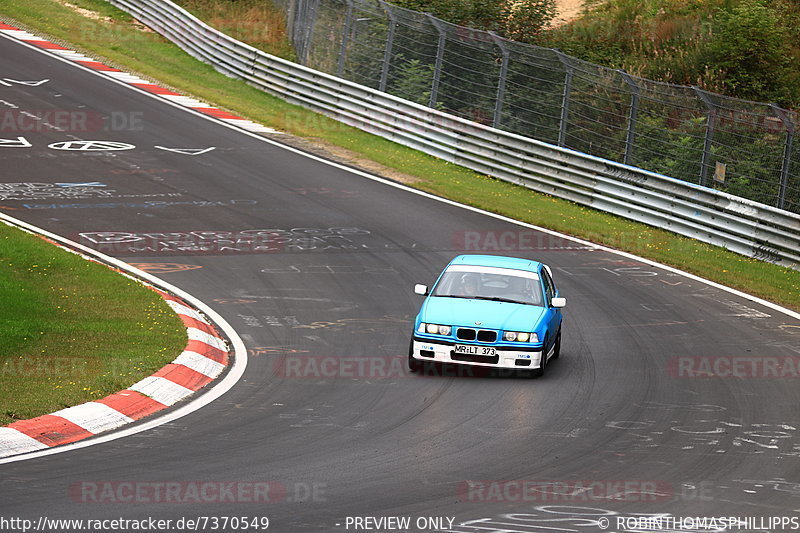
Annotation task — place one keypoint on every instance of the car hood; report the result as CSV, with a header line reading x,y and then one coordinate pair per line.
x,y
491,315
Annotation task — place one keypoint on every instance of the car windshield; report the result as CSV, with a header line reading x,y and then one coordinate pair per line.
x,y
490,283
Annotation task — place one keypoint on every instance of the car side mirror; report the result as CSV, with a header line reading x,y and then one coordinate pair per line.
x,y
558,302
421,289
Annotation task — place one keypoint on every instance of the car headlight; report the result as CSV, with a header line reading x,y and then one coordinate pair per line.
x,y
520,336
434,329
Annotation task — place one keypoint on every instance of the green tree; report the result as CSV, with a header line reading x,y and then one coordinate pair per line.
x,y
523,20
480,14
750,51
412,80
520,20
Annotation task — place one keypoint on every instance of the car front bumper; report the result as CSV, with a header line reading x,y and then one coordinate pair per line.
x,y
506,356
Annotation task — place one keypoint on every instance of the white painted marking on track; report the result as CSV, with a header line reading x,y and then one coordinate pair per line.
x,y
187,151
19,142
28,83
736,309
86,184
90,146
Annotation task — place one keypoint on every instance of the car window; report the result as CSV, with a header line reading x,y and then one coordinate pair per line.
x,y
503,286
550,287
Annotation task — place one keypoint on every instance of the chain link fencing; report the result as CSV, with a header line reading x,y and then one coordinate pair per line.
x,y
736,146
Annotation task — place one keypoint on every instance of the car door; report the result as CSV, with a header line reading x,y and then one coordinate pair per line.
x,y
552,314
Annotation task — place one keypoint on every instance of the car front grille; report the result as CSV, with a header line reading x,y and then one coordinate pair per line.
x,y
466,334
481,335
486,335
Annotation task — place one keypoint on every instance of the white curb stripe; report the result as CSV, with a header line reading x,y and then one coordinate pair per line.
x,y
13,442
263,129
162,390
200,363
74,56
22,35
198,335
94,417
249,125
184,100
127,78
181,309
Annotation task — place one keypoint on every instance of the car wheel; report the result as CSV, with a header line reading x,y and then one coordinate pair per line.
x,y
557,349
413,364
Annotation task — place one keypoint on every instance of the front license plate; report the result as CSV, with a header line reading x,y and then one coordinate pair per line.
x,y
474,350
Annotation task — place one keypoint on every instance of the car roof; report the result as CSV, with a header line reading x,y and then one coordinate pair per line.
x,y
497,261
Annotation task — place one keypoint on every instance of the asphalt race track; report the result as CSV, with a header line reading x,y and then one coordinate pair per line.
x,y
327,428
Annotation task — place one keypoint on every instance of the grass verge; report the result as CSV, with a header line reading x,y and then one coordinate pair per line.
x,y
73,330
113,36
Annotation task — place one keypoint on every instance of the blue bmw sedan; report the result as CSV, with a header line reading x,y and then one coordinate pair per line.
x,y
489,311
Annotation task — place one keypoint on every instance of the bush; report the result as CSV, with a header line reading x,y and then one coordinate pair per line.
x,y
750,50
519,20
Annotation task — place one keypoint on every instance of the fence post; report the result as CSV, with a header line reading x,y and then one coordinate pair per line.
x,y
787,153
633,112
501,83
562,128
387,53
437,70
311,11
298,15
301,28
711,118
348,27
291,12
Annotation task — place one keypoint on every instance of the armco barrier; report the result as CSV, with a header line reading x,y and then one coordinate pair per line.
x,y
743,226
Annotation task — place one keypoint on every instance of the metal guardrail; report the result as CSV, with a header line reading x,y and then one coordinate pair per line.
x,y
740,225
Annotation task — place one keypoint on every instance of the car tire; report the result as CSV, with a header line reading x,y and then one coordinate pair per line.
x,y
557,349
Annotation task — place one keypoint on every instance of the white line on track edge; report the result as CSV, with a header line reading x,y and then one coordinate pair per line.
x,y
239,345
